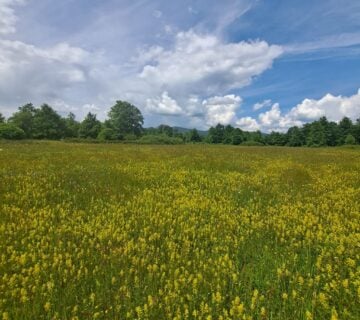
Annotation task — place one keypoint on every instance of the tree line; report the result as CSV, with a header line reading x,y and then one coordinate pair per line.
x,y
125,122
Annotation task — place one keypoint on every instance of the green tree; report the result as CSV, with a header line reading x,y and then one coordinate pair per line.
x,y
216,134
71,126
165,129
125,118
24,119
2,119
228,134
11,132
48,124
193,136
356,131
295,137
350,139
316,137
90,127
107,134
345,126
237,137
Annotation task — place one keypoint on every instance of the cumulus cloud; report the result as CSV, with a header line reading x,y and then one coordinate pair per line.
x,y
221,109
29,72
204,65
263,104
163,105
332,107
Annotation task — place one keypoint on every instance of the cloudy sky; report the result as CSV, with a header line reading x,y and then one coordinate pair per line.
x,y
256,64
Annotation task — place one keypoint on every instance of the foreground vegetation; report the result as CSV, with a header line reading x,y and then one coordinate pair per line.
x,y
178,232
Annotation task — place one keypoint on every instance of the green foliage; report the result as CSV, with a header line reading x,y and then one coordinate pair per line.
x,y
2,119
159,139
350,140
47,124
125,118
90,127
71,126
107,134
24,119
11,132
251,143
193,136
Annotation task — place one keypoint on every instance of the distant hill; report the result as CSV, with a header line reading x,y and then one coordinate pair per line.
x,y
185,130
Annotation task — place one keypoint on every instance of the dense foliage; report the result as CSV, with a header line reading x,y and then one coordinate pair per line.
x,y
185,232
125,122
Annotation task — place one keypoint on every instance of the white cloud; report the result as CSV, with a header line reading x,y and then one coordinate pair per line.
x,y
163,105
28,72
263,104
334,108
221,109
8,18
204,65
248,124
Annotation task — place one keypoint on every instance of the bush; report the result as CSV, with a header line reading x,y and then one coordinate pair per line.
x,y
350,140
252,144
11,132
107,134
159,139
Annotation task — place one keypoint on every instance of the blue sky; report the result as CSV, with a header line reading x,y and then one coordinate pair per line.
x,y
264,65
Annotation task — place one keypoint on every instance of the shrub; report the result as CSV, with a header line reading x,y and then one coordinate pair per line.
x,y
350,140
159,139
107,134
11,132
252,144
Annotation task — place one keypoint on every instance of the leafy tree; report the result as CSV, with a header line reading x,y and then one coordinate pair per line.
x,y
193,136
356,131
165,129
11,132
90,127
228,134
107,134
345,126
350,139
71,126
316,137
237,137
48,124
295,137
2,119
216,134
24,119
275,139
125,118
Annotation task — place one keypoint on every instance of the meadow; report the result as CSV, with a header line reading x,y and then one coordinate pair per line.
x,y
112,231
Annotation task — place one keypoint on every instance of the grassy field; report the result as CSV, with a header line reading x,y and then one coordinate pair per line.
x,y
178,232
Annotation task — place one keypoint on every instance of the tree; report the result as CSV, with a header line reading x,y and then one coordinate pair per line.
x,y
237,137
295,137
107,134
90,127
193,136
125,118
2,119
345,126
48,124
165,129
11,132
71,126
350,139
316,137
24,119
216,134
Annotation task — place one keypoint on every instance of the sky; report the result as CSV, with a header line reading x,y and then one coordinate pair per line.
x,y
255,64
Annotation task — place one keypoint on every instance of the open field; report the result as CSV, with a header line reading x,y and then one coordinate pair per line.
x,y
178,232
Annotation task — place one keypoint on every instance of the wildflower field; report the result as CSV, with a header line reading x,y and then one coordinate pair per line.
x,y
109,231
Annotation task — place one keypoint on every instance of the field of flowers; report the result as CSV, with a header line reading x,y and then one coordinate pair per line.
x,y
107,231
